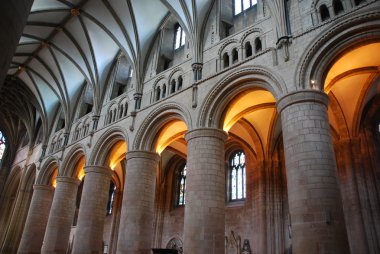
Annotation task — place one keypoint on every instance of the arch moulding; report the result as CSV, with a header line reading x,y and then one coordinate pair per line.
x,y
155,120
320,54
245,78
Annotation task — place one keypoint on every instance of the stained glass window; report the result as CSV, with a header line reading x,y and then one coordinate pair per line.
x,y
237,186
180,37
2,145
181,186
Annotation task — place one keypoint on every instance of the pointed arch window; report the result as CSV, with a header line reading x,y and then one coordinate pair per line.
x,y
181,186
236,176
180,37
2,146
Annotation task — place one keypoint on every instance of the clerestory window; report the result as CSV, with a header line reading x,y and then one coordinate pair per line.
x,y
242,5
180,37
236,176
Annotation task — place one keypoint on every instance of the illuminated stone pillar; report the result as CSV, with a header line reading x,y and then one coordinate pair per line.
x,y
61,216
136,222
92,211
35,226
205,192
315,204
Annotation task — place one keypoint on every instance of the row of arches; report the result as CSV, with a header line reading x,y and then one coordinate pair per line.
x,y
230,58
161,91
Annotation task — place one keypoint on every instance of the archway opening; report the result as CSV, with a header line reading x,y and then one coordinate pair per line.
x,y
353,86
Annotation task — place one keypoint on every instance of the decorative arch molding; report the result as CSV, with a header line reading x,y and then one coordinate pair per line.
x,y
162,77
156,120
225,44
47,170
233,83
246,34
106,141
174,71
351,32
71,159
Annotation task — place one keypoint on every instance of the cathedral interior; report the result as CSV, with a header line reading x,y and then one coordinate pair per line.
x,y
190,126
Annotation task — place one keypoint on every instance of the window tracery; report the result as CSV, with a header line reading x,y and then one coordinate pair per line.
x,y
181,186
236,175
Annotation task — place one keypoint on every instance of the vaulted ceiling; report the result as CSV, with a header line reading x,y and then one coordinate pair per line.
x,y
68,44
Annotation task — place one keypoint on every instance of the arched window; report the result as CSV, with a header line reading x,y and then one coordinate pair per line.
x,y
242,5
258,45
180,82
2,146
126,109
158,93
111,198
235,57
325,14
172,88
338,7
181,186
248,49
236,176
121,111
226,60
180,37
164,91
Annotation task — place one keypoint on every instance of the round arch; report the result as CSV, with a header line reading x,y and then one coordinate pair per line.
x,y
69,165
156,120
243,79
47,170
107,140
354,31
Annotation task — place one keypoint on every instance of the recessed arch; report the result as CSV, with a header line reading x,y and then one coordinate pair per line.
x,y
157,120
244,79
100,152
74,162
47,172
319,56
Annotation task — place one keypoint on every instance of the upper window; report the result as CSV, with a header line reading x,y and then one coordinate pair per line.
x,y
111,198
180,37
2,145
181,186
242,5
236,174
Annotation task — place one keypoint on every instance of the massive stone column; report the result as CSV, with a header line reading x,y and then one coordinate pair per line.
x,y
34,230
205,192
136,223
92,211
315,204
61,216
